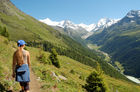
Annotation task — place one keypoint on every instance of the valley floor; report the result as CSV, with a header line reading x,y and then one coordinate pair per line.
x,y
41,79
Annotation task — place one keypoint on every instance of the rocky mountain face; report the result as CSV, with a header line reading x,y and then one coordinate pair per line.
x,y
80,30
100,26
68,24
132,16
122,42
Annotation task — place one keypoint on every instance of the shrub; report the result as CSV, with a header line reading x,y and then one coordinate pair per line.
x,y
2,88
72,71
95,81
54,59
4,32
43,59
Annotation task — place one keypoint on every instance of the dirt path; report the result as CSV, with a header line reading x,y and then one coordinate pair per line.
x,y
34,84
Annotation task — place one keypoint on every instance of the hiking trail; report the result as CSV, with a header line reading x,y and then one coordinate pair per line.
x,y
34,84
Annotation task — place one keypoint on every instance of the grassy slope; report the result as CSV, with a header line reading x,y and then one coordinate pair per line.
x,y
22,26
126,48
6,51
72,84
122,42
19,24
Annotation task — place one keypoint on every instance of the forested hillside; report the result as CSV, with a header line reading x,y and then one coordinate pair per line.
x,y
57,61
122,42
36,34
73,74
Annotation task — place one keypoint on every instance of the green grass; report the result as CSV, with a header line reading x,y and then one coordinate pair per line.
x,y
6,80
73,80
122,43
93,46
72,84
100,53
119,66
131,33
23,26
67,64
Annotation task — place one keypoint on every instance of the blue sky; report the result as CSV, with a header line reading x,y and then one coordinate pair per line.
x,y
78,11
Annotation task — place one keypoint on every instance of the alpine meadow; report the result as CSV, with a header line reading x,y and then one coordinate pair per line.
x,y
68,59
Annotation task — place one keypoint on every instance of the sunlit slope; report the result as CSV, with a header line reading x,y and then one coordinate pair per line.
x,y
122,42
22,26
74,81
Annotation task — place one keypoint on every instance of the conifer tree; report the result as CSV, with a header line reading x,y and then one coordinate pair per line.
x,y
5,32
95,81
54,59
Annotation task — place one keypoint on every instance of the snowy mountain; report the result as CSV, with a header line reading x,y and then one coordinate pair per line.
x,y
132,16
122,42
68,24
81,30
102,23
133,13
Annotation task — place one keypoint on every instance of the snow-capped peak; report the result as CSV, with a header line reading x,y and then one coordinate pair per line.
x,y
104,22
68,24
49,22
133,13
87,27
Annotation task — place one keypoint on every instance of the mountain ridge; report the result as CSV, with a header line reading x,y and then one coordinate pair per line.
x,y
67,23
40,35
122,42
104,22
41,38
80,31
43,72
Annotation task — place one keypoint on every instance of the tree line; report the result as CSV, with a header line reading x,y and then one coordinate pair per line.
x,y
80,54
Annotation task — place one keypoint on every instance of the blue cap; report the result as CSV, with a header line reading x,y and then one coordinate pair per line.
x,y
21,42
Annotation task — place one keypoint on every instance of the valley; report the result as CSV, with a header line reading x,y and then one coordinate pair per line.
x,y
110,48
43,73
121,41
117,65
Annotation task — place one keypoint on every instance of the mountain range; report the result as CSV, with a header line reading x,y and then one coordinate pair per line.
x,y
69,24
76,61
80,30
102,23
111,34
122,42
37,34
